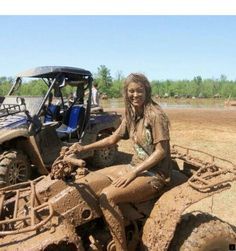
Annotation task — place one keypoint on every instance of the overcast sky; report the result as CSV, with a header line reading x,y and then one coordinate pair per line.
x,y
162,47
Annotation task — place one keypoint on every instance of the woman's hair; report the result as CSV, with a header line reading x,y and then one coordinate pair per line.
x,y
141,79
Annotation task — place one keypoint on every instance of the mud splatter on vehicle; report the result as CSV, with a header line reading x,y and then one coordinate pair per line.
x,y
61,212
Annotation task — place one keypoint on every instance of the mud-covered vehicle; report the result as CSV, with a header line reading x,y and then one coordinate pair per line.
x,y
64,214
33,129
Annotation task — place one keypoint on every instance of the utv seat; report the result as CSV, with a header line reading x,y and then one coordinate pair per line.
x,y
74,120
52,114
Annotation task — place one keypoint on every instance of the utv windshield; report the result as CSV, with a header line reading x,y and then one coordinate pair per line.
x,y
29,93
31,103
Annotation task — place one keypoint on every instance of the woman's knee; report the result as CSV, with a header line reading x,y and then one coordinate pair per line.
x,y
105,197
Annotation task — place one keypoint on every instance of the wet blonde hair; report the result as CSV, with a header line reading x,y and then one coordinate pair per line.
x,y
141,79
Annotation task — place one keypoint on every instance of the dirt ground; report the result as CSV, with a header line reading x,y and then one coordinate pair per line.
x,y
209,130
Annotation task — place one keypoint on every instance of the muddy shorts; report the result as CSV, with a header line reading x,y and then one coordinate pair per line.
x,y
157,182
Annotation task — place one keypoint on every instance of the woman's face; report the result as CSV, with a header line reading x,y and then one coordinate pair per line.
x,y
136,94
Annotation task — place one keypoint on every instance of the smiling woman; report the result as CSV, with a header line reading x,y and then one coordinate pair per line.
x,y
148,127
136,95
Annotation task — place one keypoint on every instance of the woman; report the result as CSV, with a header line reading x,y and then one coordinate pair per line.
x,y
147,125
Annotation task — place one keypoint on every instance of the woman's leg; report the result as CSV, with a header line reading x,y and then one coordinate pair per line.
x,y
114,172
98,180
138,190
114,220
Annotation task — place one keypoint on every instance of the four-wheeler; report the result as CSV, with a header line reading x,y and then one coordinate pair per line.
x,y
33,129
61,211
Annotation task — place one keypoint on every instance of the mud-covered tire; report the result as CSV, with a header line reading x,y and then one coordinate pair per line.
x,y
106,156
14,167
203,233
64,246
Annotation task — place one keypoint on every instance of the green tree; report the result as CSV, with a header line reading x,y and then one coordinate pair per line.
x,y
155,87
114,87
223,78
198,82
119,76
103,76
104,80
5,85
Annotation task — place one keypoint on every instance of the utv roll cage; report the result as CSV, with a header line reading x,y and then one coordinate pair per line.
x,y
57,77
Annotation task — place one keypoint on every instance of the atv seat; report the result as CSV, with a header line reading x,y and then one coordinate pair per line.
x,y
74,117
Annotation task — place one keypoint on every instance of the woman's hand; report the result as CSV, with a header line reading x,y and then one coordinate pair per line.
x,y
125,180
77,148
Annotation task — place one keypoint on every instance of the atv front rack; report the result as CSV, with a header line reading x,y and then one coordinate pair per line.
x,y
213,172
11,109
20,211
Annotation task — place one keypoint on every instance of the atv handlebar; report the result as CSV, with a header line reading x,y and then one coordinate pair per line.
x,y
64,164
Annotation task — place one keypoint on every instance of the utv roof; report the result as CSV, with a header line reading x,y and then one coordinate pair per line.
x,y
53,71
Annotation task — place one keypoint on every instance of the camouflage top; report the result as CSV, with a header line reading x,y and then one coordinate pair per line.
x,y
146,131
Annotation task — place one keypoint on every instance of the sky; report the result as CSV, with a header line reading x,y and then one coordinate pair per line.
x,y
161,46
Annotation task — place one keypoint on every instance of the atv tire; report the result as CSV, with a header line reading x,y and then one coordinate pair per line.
x,y
203,233
106,156
63,246
14,167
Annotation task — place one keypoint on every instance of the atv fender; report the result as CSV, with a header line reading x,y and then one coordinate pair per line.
x,y
110,123
7,135
213,205
20,139
34,154
159,228
103,127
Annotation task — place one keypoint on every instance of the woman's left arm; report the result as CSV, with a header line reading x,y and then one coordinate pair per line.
x,y
158,154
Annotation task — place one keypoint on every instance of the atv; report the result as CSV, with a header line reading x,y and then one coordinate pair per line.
x,y
34,129
61,211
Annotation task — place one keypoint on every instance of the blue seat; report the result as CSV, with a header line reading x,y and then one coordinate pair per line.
x,y
53,113
76,113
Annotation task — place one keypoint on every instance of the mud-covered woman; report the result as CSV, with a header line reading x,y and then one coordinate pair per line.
x,y
147,126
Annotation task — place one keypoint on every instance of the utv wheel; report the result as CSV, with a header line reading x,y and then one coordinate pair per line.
x,y
14,167
106,156
203,233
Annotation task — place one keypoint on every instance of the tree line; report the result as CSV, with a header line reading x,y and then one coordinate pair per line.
x,y
113,87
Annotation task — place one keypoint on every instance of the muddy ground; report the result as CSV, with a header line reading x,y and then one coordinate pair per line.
x,y
209,130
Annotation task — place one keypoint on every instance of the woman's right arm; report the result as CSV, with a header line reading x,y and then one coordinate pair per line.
x,y
108,141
